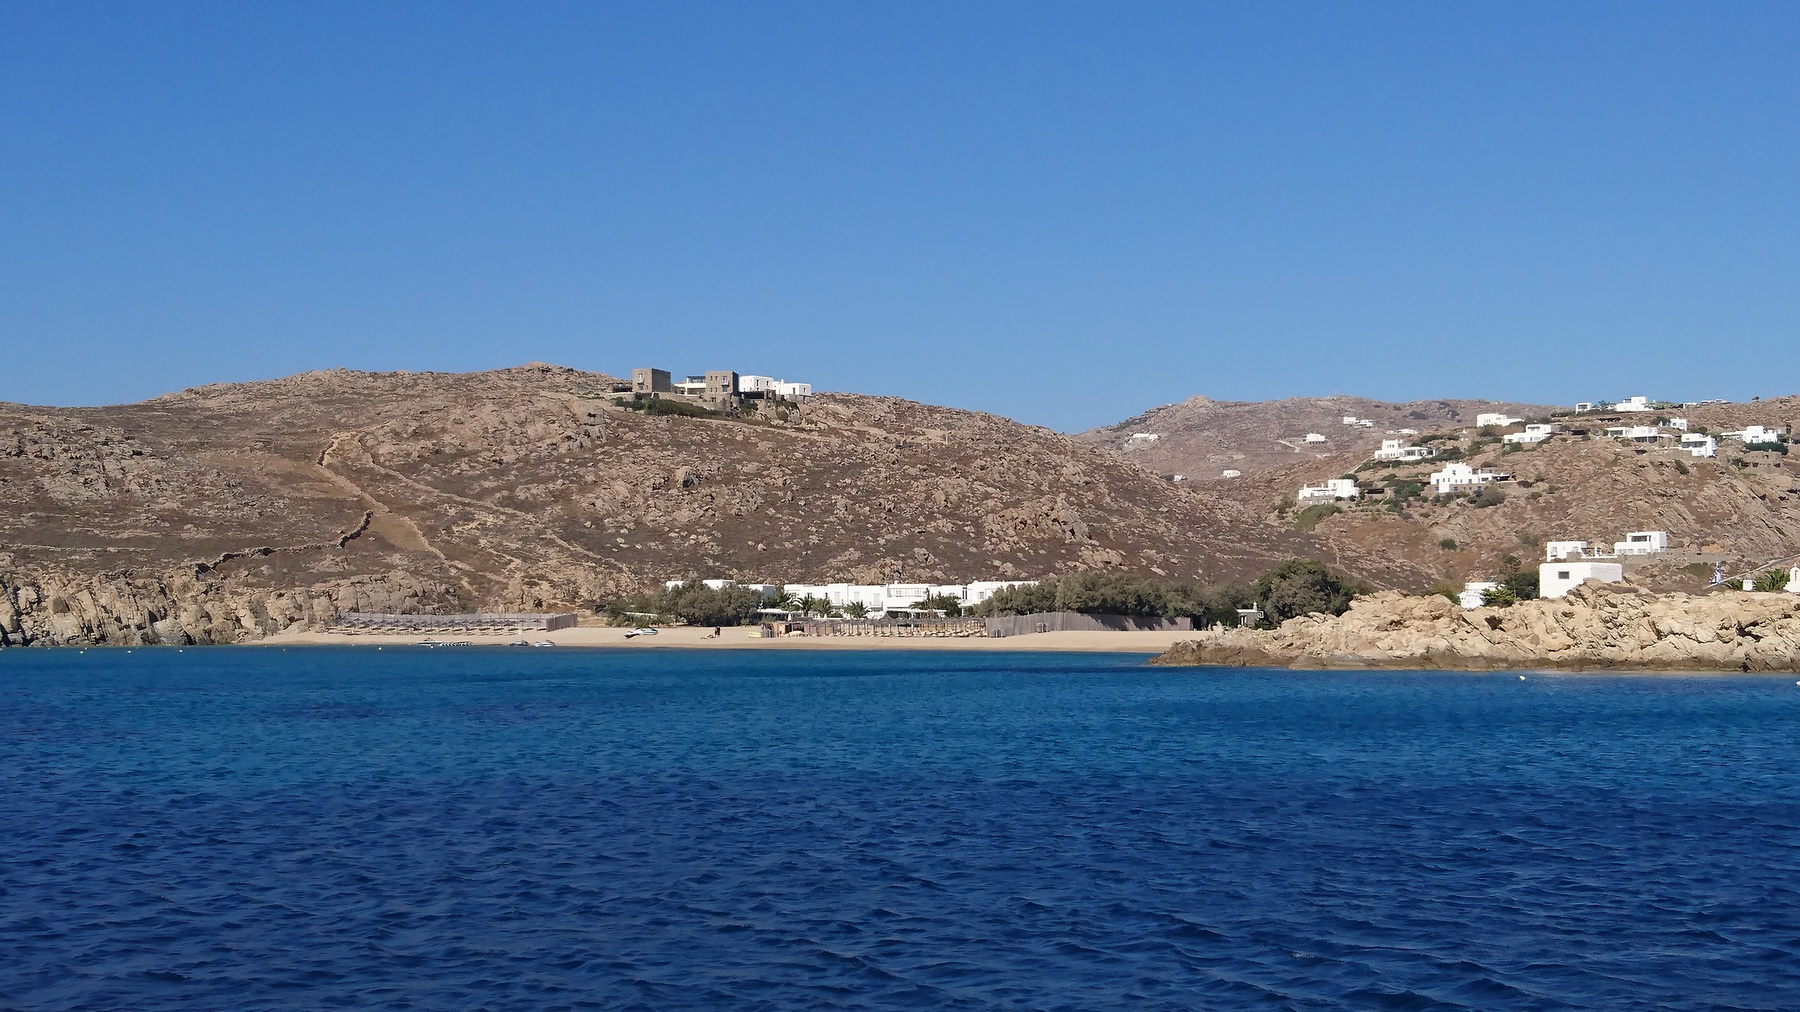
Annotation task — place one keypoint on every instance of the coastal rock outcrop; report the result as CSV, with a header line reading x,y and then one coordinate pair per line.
x,y
1595,627
179,608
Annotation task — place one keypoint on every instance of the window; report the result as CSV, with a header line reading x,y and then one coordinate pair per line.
x,y
1562,574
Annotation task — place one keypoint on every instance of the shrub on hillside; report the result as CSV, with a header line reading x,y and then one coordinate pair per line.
x,y
1309,517
1487,495
660,406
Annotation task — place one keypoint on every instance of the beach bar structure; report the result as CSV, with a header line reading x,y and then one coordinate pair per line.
x,y
472,622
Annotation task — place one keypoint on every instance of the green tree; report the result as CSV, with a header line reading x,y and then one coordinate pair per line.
x,y
1523,583
692,603
950,606
1027,600
1499,597
856,609
1301,587
1773,581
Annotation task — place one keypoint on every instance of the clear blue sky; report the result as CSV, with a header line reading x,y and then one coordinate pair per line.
x,y
1066,213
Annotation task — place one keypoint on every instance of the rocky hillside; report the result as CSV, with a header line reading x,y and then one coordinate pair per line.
x,y
1739,510
1596,626
1201,438
228,512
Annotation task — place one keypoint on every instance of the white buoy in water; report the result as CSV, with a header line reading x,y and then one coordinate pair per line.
x,y
1521,678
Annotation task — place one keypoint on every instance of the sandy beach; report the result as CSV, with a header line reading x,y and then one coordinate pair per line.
x,y
739,639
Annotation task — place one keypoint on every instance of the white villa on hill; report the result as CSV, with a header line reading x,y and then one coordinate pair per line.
x,y
1698,445
1327,491
1458,475
1499,418
1394,449
1757,434
1642,543
1569,564
1637,433
1633,404
1535,433
1635,543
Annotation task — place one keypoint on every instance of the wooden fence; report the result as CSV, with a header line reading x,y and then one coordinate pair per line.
x,y
475,622
1069,621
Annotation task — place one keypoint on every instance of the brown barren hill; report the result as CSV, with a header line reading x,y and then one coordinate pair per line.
x,y
1200,438
227,512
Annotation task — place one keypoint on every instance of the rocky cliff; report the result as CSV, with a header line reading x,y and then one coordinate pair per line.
x,y
227,512
1595,627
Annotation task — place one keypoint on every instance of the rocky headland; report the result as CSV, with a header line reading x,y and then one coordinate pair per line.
x,y
1596,627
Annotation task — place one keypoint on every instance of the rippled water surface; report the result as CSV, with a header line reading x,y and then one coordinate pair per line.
x,y
541,829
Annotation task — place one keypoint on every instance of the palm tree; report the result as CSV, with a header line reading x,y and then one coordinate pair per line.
x,y
856,609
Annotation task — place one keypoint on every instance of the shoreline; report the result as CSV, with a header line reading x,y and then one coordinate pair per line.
x,y
738,638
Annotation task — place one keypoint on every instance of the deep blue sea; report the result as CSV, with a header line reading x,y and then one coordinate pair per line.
x,y
568,829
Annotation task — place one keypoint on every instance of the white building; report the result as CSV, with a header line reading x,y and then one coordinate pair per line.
x,y
1633,404
1367,423
1678,423
1407,432
1535,433
1500,418
756,384
1314,437
1474,593
1584,405
1642,543
1558,578
792,391
1636,433
1328,491
1556,551
1698,445
1394,449
1144,438
1793,584
1231,472
1757,434
1349,419
879,599
1635,543
1458,475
